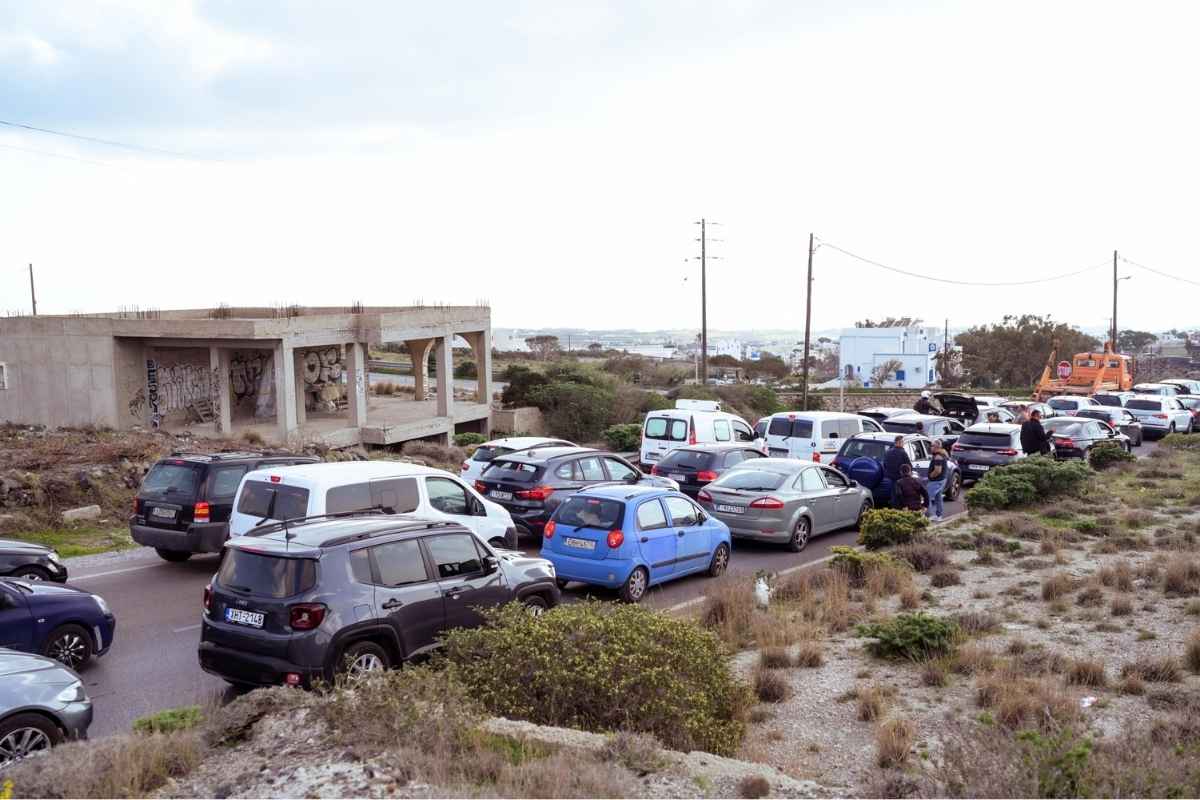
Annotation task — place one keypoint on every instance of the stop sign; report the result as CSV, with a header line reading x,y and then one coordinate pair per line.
x,y
1064,369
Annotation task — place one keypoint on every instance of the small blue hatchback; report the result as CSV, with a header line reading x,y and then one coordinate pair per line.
x,y
631,537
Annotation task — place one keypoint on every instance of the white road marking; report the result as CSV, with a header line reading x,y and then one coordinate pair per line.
x,y
187,628
75,579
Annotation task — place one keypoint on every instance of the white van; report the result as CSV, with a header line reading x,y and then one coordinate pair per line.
x,y
310,490
810,435
690,422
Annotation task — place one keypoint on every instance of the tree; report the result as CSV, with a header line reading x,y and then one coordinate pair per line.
x,y
1129,341
595,347
824,340
889,322
884,372
949,368
1014,351
769,365
543,345
522,382
723,360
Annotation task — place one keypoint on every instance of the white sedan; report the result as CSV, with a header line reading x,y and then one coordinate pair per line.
x,y
473,467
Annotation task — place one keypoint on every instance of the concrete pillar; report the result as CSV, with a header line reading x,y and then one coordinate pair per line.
x,y
445,375
301,386
481,347
356,383
418,351
285,391
222,397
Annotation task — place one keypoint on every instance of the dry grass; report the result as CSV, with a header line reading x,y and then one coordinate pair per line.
x,y
935,673
1056,587
775,658
729,610
771,685
1181,578
923,556
1121,606
972,659
1132,684
940,579
910,598
1019,702
809,655
977,623
886,580
870,701
753,787
1090,596
1191,651
1087,672
435,455
893,742
1163,669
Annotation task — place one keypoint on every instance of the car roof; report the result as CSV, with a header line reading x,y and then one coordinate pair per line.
x,y
341,472
1152,385
885,408
995,427
526,442
212,458
785,465
815,414
1142,396
623,491
912,415
540,455
1068,397
886,436
714,447
307,538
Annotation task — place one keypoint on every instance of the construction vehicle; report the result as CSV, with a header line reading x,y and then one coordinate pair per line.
x,y
1085,374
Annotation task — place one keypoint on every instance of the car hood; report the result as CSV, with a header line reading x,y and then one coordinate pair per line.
x,y
14,663
521,569
13,547
45,591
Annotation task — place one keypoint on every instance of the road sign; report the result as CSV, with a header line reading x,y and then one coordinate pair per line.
x,y
1064,369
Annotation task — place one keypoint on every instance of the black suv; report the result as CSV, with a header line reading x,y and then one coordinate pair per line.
x,y
356,592
184,503
532,483
698,465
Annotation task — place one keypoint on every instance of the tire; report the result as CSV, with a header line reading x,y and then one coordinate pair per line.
x,y
26,735
70,645
1171,429
174,556
955,487
720,561
561,583
361,658
32,574
634,587
535,605
862,512
800,535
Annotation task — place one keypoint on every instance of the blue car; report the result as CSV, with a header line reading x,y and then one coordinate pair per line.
x,y
630,538
61,622
861,457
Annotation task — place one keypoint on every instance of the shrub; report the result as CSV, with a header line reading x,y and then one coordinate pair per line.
x,y
923,556
943,578
771,685
170,720
1181,577
1027,481
869,702
1106,454
857,565
1056,586
468,439
893,742
522,382
575,411
1154,670
604,668
810,655
1091,595
753,787
884,527
775,658
916,637
985,497
977,623
623,438
1085,672
1122,606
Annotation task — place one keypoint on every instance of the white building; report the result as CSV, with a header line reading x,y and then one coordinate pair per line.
x,y
725,347
864,349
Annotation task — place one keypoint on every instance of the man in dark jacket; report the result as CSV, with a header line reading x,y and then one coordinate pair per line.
x,y
895,459
909,493
1034,439
923,406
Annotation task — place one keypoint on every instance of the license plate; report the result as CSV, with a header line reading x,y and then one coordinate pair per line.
x,y
730,509
500,495
252,618
978,467
675,476
653,456
163,513
582,544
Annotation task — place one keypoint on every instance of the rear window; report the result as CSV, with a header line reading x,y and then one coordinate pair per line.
x,y
178,479
1065,428
272,501
868,448
674,430
485,454
688,459
512,471
900,427
1093,414
591,512
1145,405
796,428
1062,405
1107,400
267,575
985,440
750,479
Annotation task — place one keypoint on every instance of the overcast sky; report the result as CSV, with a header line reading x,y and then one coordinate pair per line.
x,y
550,157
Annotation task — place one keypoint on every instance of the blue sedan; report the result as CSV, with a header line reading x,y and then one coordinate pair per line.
x,y
630,538
62,622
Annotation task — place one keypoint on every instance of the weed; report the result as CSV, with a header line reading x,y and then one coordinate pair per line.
x,y
809,655
1163,669
934,673
1090,596
1192,609
942,578
775,658
1084,672
771,686
1191,651
1056,586
170,720
1181,578
910,598
1132,684
753,787
924,555
637,752
893,742
977,623
870,702
1121,606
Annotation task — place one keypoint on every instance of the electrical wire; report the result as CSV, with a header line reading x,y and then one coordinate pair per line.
x,y
1159,272
55,155
109,142
960,282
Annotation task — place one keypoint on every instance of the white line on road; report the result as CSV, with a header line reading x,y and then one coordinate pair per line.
x,y
187,628
110,572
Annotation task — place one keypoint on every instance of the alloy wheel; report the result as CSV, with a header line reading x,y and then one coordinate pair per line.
x,y
637,585
22,743
29,576
69,648
720,560
800,535
366,662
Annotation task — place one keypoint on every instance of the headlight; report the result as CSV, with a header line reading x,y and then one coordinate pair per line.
x,y
55,557
72,694
101,604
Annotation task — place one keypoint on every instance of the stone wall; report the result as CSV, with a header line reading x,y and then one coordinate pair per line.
x,y
526,421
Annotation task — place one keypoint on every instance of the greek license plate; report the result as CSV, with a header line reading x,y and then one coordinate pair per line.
x,y
675,476
501,495
252,618
730,509
163,513
582,544
978,467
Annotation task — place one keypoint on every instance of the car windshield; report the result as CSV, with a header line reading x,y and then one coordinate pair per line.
x,y
753,480
591,512
1095,414
1061,405
868,448
891,426
511,471
272,576
796,428
985,440
1107,400
171,478
687,459
1064,427
1144,405
484,453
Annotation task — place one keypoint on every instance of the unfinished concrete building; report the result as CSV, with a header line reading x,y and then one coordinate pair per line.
x,y
286,374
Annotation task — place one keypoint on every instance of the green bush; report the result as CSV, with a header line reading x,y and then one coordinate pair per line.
x,y
466,369
623,438
468,439
986,498
1027,481
522,382
884,527
916,637
575,411
604,668
857,563
1105,454
169,720
1180,441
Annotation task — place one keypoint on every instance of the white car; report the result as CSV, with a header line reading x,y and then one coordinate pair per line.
x,y
1068,404
1183,385
313,490
1164,389
474,466
690,422
1160,415
810,435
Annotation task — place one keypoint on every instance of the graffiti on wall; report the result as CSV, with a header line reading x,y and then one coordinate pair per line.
x,y
183,384
152,391
323,366
137,404
246,370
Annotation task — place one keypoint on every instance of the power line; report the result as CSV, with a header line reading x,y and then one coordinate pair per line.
x,y
959,282
55,155
109,142
1159,272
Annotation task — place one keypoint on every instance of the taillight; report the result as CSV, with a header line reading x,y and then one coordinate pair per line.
x,y
704,497
548,531
306,616
615,539
1160,416
954,448
1007,452
691,430
481,487
654,470
767,502
275,479
463,467
706,476
208,597
816,457
1064,442
200,512
137,506
539,493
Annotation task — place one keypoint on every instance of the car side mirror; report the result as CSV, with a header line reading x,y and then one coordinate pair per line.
x,y
853,484
490,564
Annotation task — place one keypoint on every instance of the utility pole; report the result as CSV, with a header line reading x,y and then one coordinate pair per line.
x,y
703,223
1114,319
807,323
32,293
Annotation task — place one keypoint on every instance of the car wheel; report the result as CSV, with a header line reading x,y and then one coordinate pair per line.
x,y
32,574
362,658
955,487
720,561
535,605
26,735
1171,429
800,535
634,587
69,644
174,556
862,512
561,583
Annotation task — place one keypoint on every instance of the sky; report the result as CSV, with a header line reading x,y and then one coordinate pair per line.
x,y
551,158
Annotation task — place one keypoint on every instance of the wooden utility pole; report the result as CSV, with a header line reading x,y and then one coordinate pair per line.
x,y
703,301
808,323
1114,319
32,293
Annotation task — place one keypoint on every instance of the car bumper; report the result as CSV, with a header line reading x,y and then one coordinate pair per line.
x,y
75,718
253,669
203,538
58,572
608,572
104,635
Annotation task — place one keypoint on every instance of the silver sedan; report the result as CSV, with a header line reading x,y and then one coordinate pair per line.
x,y
41,702
784,500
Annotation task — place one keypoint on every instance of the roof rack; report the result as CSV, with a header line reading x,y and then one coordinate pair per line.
x,y
264,528
413,524
217,456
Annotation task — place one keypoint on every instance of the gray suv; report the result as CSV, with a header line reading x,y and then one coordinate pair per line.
x,y
296,603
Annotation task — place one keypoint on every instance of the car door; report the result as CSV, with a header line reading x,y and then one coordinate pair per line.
x,y
619,470
468,582
741,431
954,429
1129,424
656,539
222,486
847,503
450,500
16,623
1179,414
820,499
590,470
406,595
691,537
920,453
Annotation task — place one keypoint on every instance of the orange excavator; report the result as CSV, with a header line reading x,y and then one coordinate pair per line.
x,y
1085,374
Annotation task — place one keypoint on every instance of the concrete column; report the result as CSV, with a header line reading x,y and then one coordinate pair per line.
x,y
285,391
356,383
418,351
445,375
222,397
481,346
301,394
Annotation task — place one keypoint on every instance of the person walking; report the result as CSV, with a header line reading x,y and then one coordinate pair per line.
x,y
1034,439
908,493
895,458
923,405
936,486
